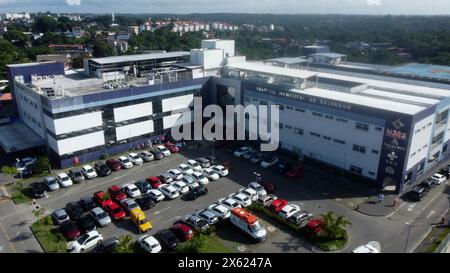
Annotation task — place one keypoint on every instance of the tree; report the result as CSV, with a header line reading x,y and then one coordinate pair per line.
x,y
46,24
9,171
77,62
126,245
334,225
196,244
102,49
41,165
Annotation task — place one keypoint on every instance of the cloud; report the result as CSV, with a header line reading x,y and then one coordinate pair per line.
x,y
374,2
73,2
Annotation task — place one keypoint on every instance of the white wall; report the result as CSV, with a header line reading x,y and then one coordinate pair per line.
x,y
227,46
70,145
208,58
421,137
133,130
74,123
177,103
133,111
176,119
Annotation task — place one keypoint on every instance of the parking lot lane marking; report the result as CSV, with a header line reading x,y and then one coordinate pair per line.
x,y
430,214
241,248
164,209
1,248
7,237
411,207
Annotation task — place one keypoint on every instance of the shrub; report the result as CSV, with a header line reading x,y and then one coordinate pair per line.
x,y
42,165
104,156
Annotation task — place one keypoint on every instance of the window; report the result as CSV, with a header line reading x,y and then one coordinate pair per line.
x,y
315,134
253,99
328,117
378,128
247,99
358,148
429,124
372,173
288,127
327,138
263,102
375,152
342,120
281,106
298,131
300,110
416,131
355,169
362,126
317,114
289,107
339,141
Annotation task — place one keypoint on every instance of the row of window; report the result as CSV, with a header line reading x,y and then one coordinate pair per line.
x,y
423,128
31,118
358,170
418,150
29,101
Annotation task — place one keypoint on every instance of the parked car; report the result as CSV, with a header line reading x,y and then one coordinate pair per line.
x,y
74,210
269,187
210,174
196,222
239,152
117,193
106,246
194,165
220,211
102,198
69,230
64,180
283,167
182,231
167,239
128,205
114,164
146,156
38,189
131,190
190,181
153,181
196,192
250,193
59,216
204,162
417,193
230,203
249,154
314,227
258,188
115,211
85,242
125,162
138,218
149,244
172,147
157,154
176,174
27,162
52,183
208,216
257,158
300,218
289,210
135,159
156,194
88,172
266,200
86,223
200,178
180,186
145,202
143,186
428,184
87,203
295,171
241,199
163,150
102,169
169,191
212,160
165,177
220,170
76,175
269,161
185,169
100,216
438,178
278,204
445,172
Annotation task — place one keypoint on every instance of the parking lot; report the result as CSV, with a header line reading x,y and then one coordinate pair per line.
x,y
317,192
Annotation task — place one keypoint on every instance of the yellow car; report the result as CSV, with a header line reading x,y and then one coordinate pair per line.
x,y
138,218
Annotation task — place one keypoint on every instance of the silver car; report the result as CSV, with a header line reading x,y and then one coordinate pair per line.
x,y
208,216
100,216
59,216
52,183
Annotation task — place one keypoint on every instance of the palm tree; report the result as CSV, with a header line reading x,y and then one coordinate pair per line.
x,y
334,225
126,245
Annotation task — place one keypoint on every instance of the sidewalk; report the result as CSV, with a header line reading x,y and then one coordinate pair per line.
x,y
373,207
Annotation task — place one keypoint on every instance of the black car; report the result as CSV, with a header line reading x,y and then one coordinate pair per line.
x,y
86,223
445,172
74,211
145,202
427,184
106,246
417,193
143,186
157,154
102,169
167,239
26,172
87,203
196,192
212,159
282,167
39,189
76,176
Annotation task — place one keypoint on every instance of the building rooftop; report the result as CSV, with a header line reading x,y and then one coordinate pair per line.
x,y
288,60
275,70
140,57
329,55
421,71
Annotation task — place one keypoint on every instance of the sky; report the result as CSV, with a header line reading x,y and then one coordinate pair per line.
x,y
377,7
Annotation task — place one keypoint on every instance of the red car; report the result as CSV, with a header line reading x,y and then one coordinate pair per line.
x,y
117,193
278,204
101,199
182,231
314,227
115,211
172,147
295,171
113,164
69,230
269,187
154,181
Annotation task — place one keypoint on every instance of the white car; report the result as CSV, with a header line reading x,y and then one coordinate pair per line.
x,y
163,150
208,216
86,241
169,191
438,178
370,247
230,203
242,199
135,159
129,204
88,172
146,156
177,174
64,180
251,193
220,170
194,165
100,216
190,181
181,187
22,164
156,195
289,210
269,162
149,244
185,169
200,178
125,162
258,188
239,152
210,174
220,211
131,190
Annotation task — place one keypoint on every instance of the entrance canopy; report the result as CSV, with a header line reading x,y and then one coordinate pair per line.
x,y
17,137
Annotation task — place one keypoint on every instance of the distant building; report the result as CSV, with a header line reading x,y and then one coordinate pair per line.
x,y
313,49
327,58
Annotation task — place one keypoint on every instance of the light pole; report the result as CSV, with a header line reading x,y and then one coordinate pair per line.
x,y
258,177
212,148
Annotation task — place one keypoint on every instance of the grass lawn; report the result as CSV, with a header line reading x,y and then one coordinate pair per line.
x,y
20,194
49,237
438,240
214,246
